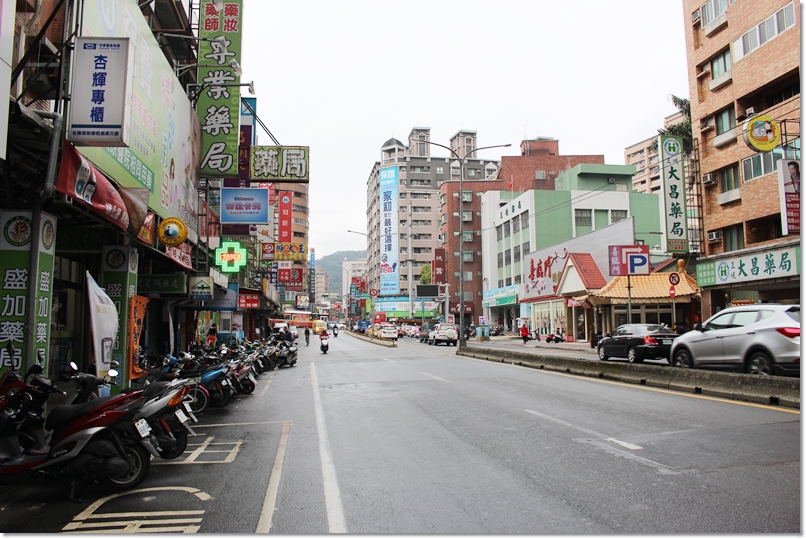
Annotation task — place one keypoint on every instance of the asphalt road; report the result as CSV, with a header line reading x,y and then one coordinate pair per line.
x,y
416,440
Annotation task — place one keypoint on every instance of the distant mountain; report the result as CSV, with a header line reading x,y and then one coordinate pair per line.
x,y
331,264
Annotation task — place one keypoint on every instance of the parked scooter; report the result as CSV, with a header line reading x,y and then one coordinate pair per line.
x,y
559,336
99,440
323,345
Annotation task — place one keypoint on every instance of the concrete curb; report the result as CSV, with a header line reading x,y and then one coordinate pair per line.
x,y
774,390
381,342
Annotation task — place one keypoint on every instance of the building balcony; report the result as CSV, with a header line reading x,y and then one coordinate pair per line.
x,y
725,138
729,196
715,25
720,81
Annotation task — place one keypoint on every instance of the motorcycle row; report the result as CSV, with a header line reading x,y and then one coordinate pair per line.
x,y
111,439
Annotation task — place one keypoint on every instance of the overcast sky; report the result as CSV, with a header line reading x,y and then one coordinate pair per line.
x,y
344,76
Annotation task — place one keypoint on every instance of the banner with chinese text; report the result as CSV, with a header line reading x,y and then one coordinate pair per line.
x,y
288,164
284,226
674,193
119,278
15,268
390,283
136,318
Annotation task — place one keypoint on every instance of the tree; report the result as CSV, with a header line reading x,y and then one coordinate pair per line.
x,y
682,129
425,274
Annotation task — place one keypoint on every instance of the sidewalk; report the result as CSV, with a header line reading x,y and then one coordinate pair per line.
x,y
582,346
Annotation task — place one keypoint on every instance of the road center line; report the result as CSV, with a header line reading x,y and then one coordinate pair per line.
x,y
335,513
435,377
270,501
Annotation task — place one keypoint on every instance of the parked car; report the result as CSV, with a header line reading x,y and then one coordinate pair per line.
x,y
637,342
387,331
447,333
757,339
424,329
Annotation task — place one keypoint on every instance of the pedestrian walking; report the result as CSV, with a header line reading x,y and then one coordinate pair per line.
x,y
525,333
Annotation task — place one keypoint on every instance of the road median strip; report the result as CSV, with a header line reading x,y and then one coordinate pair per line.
x,y
772,390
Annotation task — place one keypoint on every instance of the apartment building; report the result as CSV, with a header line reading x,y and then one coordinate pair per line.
x,y
402,233
644,157
744,83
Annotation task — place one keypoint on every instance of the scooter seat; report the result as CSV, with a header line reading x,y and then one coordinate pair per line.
x,y
192,373
68,412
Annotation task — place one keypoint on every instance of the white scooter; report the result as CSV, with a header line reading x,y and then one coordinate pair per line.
x,y
323,338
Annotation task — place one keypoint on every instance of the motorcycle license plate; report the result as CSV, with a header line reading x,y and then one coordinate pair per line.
x,y
180,415
143,427
225,383
251,377
186,404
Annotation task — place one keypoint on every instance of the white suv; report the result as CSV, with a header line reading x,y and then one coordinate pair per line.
x,y
446,333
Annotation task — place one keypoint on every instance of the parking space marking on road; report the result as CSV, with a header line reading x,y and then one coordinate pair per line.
x,y
333,506
188,521
271,377
628,445
207,447
647,388
435,377
234,424
270,501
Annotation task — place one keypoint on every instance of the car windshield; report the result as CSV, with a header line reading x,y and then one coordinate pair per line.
x,y
657,329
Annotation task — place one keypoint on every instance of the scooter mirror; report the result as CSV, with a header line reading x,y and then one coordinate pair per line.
x,y
112,373
73,365
114,364
34,370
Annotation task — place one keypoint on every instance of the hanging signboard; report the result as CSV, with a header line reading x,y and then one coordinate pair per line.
x,y
230,257
244,206
789,190
674,193
201,288
390,283
288,164
102,78
284,224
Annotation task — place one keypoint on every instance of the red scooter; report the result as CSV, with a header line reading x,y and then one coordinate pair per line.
x,y
99,440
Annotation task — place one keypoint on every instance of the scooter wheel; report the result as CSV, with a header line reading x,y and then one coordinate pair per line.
x,y
248,387
139,464
181,436
198,400
225,398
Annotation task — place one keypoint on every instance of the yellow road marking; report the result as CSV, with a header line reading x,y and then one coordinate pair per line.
x,y
647,388
273,373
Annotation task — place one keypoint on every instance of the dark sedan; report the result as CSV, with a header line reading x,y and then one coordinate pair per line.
x,y
637,342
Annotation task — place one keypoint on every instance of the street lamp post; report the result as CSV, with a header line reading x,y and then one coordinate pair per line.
x,y
461,309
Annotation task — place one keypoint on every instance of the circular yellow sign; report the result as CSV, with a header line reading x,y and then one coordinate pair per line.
x,y
761,133
172,231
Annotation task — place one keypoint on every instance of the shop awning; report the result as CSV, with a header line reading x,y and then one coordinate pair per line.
x,y
653,288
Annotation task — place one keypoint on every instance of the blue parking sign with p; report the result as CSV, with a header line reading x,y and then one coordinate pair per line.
x,y
638,264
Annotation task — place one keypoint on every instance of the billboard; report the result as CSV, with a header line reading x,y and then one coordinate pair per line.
x,y
438,267
390,282
244,205
288,164
789,190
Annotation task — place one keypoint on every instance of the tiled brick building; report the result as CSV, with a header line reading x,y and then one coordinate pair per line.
x,y
744,63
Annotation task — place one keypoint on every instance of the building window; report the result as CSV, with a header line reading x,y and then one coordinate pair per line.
x,y
500,260
765,31
467,256
583,217
725,120
517,280
617,215
467,216
712,9
471,172
516,225
467,196
525,248
720,64
422,144
439,170
516,253
525,220
467,236
468,146
733,238
507,257
729,178
761,164
506,229
499,232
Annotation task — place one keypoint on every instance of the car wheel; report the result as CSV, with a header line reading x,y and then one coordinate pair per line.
x,y
759,363
682,359
632,356
602,354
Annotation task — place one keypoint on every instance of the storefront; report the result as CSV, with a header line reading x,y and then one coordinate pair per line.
x,y
503,306
580,277
770,274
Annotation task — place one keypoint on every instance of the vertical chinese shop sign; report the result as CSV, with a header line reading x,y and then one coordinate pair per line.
x,y
218,105
286,208
674,193
16,235
120,281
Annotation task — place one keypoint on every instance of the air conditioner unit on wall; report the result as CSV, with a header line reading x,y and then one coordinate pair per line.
x,y
708,178
695,17
716,235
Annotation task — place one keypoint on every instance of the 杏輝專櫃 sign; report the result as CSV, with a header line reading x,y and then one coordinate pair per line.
x,y
218,104
674,193
390,284
102,78
244,205
288,164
